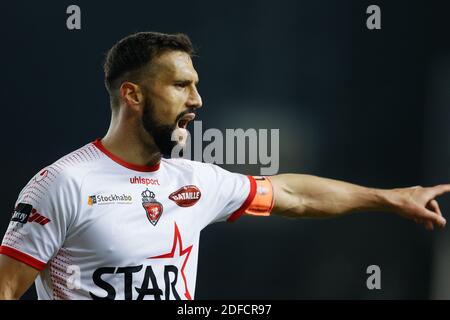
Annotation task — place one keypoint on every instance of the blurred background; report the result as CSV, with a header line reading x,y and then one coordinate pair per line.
x,y
365,106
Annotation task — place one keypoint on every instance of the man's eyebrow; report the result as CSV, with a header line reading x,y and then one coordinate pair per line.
x,y
186,82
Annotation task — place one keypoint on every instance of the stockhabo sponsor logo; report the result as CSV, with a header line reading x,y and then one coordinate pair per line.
x,y
145,181
101,199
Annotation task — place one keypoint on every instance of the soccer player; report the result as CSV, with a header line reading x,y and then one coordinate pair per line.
x,y
117,220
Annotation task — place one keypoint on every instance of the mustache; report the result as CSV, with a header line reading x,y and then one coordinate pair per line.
x,y
190,110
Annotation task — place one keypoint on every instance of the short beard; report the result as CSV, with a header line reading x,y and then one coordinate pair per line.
x,y
162,134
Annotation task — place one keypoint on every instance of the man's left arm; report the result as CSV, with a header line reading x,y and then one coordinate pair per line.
x,y
298,195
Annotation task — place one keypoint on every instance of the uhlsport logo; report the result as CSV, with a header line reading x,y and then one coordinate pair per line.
x,y
41,175
152,208
146,181
102,199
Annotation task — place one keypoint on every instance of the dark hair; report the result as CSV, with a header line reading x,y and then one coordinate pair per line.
x,y
130,54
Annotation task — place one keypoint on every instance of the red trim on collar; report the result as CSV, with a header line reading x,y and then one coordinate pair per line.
x,y
124,163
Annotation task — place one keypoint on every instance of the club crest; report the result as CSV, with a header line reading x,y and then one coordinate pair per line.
x,y
153,208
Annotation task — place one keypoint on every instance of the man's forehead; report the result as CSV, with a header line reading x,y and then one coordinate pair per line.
x,y
175,64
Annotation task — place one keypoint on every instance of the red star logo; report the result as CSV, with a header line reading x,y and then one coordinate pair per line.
x,y
177,242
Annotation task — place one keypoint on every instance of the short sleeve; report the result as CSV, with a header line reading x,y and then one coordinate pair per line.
x,y
226,194
40,219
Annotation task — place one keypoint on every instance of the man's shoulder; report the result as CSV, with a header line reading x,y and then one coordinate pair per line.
x,y
64,176
187,164
72,166
203,169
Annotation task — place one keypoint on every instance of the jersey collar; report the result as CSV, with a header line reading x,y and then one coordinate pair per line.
x,y
124,163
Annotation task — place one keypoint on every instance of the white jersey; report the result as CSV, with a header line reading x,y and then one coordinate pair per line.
x,y
100,228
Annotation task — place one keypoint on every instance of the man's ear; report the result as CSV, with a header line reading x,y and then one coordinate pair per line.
x,y
131,94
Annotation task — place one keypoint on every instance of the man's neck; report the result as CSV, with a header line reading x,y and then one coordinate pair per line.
x,y
131,147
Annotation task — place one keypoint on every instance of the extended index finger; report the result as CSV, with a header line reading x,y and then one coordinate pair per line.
x,y
439,189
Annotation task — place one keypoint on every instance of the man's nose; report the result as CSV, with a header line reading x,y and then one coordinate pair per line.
x,y
195,100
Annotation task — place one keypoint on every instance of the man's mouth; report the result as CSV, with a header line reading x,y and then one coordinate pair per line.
x,y
184,120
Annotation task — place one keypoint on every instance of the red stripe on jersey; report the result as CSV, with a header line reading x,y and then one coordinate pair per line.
x,y
128,165
40,219
44,222
34,217
22,257
247,201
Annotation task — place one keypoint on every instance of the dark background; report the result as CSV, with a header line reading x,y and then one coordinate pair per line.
x,y
369,107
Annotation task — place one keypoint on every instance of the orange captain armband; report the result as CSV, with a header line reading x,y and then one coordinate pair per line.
x,y
263,201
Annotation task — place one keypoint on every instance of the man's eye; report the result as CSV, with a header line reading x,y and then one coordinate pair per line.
x,y
180,85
